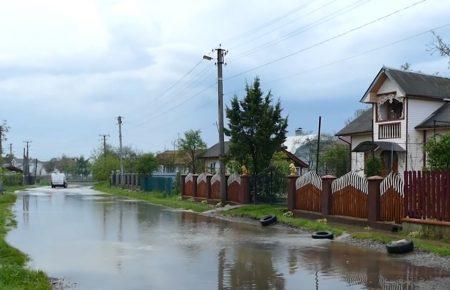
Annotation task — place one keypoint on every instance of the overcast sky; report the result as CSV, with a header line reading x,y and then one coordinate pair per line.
x,y
69,68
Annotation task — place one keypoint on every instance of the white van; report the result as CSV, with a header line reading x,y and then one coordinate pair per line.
x,y
58,179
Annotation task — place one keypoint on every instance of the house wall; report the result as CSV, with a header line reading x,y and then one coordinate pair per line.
x,y
418,111
358,157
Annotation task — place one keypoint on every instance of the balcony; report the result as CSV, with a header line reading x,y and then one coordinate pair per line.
x,y
389,131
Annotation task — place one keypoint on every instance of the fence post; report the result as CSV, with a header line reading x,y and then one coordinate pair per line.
x,y
182,187
291,192
245,188
194,185
208,186
327,180
373,200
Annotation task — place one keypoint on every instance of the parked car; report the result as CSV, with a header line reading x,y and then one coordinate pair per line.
x,y
58,179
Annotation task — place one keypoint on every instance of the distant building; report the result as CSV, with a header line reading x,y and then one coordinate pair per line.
x,y
17,165
172,162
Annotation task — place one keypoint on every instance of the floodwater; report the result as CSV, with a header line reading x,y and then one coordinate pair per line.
x,y
95,241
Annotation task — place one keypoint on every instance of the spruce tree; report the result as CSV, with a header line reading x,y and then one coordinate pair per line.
x,y
256,129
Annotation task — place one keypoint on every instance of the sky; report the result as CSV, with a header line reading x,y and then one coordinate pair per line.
x,y
69,68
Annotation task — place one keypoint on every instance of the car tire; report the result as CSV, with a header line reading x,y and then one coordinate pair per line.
x,y
323,235
268,220
400,247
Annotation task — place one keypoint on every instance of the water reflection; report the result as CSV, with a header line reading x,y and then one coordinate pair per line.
x,y
102,242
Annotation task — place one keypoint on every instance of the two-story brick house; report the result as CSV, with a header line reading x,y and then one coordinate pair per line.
x,y
407,109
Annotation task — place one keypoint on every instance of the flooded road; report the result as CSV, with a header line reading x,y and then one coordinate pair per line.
x,y
96,241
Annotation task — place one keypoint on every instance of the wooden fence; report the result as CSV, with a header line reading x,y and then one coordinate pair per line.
x,y
392,198
349,196
427,195
207,187
308,191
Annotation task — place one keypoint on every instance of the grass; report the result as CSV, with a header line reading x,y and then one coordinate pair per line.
x,y
14,274
441,248
173,201
283,216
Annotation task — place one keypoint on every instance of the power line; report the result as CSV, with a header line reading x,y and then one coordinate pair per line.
x,y
326,40
352,56
305,28
257,36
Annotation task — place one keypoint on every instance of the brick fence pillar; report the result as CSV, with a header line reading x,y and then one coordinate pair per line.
x,y
327,180
208,186
245,188
373,200
291,192
194,185
182,187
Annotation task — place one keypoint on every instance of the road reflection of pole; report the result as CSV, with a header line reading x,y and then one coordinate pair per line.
x,y
25,208
316,281
221,269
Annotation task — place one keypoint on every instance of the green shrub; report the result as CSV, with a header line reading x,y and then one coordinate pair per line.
x,y
373,166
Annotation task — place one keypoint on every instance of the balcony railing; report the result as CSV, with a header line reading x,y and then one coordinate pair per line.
x,y
389,131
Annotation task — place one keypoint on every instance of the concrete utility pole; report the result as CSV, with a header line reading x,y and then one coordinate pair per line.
x,y
10,149
220,61
318,145
3,130
119,122
26,168
104,136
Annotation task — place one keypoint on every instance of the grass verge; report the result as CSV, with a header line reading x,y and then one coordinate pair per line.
x,y
14,274
257,211
173,201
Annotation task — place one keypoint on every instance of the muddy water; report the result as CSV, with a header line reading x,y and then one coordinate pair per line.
x,y
100,242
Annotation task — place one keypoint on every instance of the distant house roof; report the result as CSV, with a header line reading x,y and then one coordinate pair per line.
x,y
213,151
438,119
294,159
415,84
174,155
361,124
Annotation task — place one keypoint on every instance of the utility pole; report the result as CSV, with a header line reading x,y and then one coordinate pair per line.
x,y
26,168
104,136
318,145
220,61
119,122
3,129
10,149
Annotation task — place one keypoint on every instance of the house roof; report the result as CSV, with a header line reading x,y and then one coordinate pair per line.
x,y
441,116
415,83
176,156
213,151
361,124
297,161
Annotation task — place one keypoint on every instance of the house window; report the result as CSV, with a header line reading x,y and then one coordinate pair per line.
x,y
389,108
389,131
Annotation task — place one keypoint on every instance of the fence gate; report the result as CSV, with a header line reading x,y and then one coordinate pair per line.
x,y
349,196
308,192
392,198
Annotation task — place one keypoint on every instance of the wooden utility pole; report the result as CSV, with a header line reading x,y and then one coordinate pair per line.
x,y
119,122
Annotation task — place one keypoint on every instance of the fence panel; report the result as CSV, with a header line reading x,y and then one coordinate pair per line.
x,y
427,195
215,187
349,196
308,192
234,189
392,198
202,186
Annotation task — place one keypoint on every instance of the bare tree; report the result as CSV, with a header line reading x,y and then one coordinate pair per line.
x,y
440,46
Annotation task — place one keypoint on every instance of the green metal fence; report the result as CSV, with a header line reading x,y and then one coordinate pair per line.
x,y
154,183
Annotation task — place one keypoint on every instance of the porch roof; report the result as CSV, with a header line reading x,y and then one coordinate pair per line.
x,y
368,146
438,119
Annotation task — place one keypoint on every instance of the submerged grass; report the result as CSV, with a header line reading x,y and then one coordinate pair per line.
x,y
173,201
14,274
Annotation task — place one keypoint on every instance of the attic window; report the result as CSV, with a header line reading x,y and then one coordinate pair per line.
x,y
390,108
